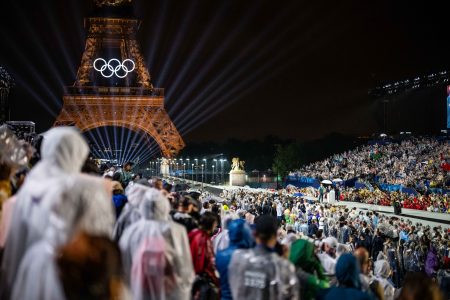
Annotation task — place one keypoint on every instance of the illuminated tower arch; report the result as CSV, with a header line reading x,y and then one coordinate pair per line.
x,y
117,91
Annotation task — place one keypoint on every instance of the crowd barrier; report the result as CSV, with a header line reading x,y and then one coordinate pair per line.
x,y
390,187
360,185
302,181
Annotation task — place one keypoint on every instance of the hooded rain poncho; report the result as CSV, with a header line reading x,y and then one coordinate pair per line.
x,y
87,208
130,213
347,274
382,271
259,273
156,255
240,237
63,153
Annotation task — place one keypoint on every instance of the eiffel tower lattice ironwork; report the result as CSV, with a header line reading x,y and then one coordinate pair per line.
x,y
117,96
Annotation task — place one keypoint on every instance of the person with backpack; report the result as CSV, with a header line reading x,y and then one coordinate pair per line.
x,y
260,273
155,252
240,238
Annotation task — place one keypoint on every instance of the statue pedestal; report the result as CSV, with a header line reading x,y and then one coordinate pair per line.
x,y
237,178
165,170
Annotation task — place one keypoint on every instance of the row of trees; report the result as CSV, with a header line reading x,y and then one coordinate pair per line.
x,y
292,156
279,155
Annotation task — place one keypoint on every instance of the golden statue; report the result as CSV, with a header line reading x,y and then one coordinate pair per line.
x,y
101,3
164,161
237,165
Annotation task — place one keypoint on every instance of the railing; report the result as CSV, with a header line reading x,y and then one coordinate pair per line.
x,y
106,90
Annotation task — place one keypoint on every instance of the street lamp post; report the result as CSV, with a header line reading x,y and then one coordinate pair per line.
x,y
192,172
213,175
187,159
157,165
184,170
202,175
221,175
217,170
196,169
170,166
223,169
206,170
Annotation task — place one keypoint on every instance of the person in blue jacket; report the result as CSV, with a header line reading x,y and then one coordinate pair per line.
x,y
240,238
119,198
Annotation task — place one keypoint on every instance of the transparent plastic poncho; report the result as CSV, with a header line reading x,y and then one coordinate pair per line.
x,y
12,150
85,206
261,274
155,253
130,212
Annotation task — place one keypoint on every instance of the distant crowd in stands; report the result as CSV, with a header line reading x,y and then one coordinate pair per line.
x,y
420,163
417,162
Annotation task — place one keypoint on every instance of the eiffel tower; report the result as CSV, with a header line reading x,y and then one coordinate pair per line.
x,y
113,86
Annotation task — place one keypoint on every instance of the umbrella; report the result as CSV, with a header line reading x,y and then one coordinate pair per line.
x,y
337,180
326,181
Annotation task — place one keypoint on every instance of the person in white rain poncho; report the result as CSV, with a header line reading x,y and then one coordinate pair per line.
x,y
131,212
382,271
331,196
221,241
156,254
63,153
86,207
327,256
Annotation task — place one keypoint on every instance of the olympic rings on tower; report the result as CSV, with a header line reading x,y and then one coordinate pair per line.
x,y
114,67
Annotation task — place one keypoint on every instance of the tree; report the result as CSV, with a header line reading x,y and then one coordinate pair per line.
x,y
287,158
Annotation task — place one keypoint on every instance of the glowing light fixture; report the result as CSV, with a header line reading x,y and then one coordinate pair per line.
x,y
114,67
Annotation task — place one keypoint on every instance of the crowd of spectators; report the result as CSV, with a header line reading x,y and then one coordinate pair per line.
x,y
417,162
67,232
428,202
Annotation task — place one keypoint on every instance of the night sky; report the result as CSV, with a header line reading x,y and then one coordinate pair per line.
x,y
241,69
